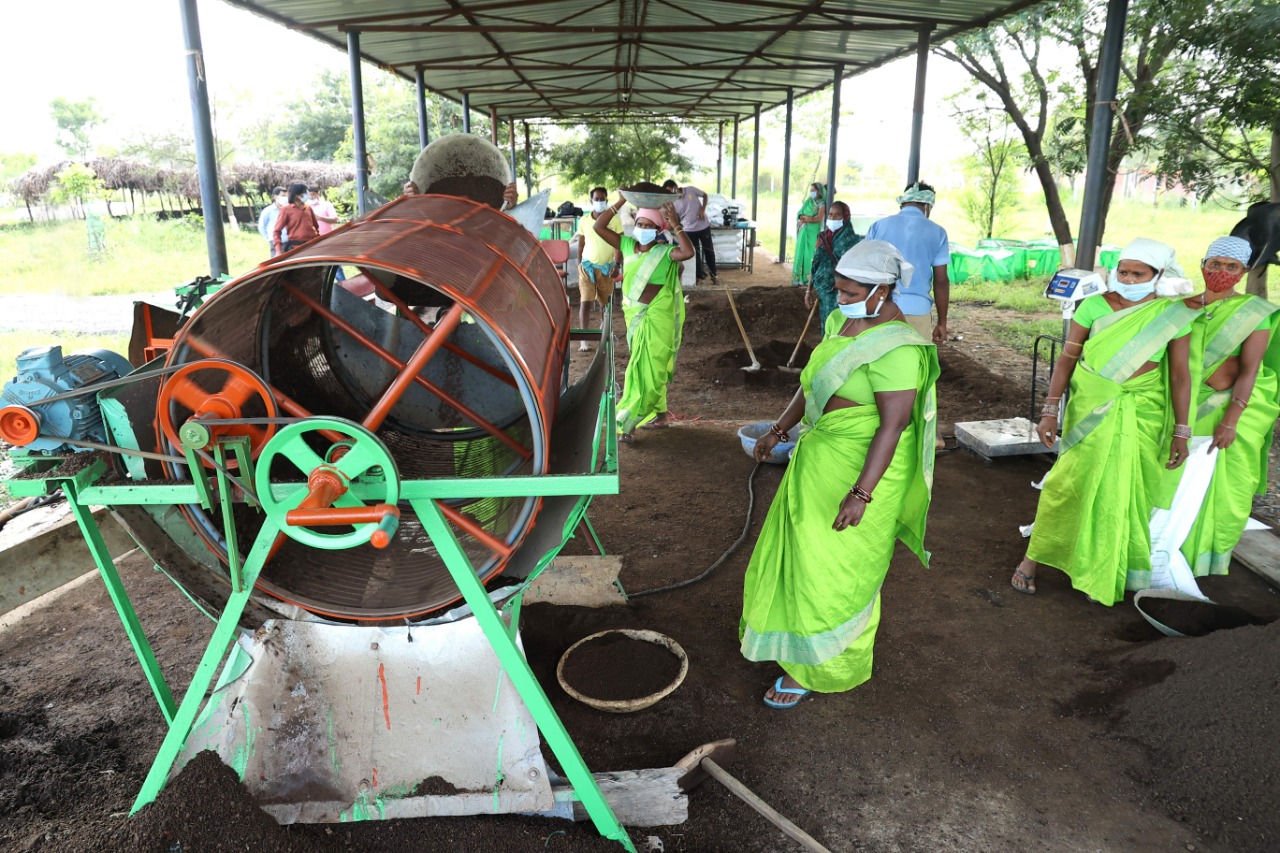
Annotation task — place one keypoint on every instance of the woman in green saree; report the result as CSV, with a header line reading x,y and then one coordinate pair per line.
x,y
1235,359
836,238
653,306
1126,359
859,478
808,223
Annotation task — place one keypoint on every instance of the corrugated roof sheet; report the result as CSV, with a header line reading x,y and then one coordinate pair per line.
x,y
570,59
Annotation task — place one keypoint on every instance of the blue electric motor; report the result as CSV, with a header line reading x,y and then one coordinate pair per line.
x,y
43,372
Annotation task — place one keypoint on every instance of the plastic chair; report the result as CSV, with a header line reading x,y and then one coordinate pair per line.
x,y
558,252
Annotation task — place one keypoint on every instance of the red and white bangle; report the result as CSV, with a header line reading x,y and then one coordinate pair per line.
x,y
779,432
861,494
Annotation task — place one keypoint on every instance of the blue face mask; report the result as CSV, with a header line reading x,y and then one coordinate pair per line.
x,y
1132,292
858,310
645,236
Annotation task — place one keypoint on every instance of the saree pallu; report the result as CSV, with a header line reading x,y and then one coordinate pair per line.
x,y
1240,471
806,243
811,598
1093,519
653,336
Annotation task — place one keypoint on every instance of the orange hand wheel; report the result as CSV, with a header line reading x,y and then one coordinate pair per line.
x,y
19,426
198,390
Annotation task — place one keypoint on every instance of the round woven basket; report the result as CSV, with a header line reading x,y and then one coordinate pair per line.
x,y
626,706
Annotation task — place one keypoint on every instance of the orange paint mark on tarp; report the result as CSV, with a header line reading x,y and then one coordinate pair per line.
x,y
419,685
375,777
386,703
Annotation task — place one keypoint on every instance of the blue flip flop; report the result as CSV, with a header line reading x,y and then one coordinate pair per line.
x,y
778,688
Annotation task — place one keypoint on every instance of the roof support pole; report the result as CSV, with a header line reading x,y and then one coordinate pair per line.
x,y
528,163
493,126
733,168
511,137
1095,175
755,167
719,155
206,156
420,81
357,122
466,113
786,177
917,110
835,131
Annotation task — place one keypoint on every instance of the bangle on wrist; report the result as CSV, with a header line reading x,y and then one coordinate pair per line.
x,y
779,432
860,493
1243,404
1181,431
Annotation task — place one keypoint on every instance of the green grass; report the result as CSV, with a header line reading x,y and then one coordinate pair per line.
x,y
143,255
1021,295
1021,335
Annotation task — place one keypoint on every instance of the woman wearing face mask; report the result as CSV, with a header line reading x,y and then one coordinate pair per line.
x,y
808,223
1126,359
860,477
1235,358
833,241
653,306
297,219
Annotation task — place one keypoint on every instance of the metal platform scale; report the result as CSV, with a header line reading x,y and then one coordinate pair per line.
x,y
1017,436
334,708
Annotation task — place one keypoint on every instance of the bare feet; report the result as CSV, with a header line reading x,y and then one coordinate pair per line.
x,y
626,438
1024,577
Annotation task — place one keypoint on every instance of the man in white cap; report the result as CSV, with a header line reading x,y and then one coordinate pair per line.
x,y
925,246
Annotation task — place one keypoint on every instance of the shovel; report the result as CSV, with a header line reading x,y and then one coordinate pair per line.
x,y
788,368
707,760
755,363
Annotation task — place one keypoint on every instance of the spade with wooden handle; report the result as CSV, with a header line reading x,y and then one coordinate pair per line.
x,y
710,759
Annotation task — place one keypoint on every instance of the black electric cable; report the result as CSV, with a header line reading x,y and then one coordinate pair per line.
x,y
746,528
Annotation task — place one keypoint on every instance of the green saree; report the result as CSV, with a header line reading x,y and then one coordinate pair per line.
x,y
1240,471
811,597
806,243
653,333
1093,518
823,275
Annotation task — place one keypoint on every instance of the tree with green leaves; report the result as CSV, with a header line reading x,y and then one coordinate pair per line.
x,y
75,184
992,168
614,155
313,127
75,121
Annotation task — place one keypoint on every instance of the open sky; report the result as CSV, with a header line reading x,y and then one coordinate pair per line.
x,y
128,55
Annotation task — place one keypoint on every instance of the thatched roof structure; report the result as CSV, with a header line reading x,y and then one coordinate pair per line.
x,y
124,173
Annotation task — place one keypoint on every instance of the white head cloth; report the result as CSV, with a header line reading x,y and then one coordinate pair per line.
x,y
875,262
1154,254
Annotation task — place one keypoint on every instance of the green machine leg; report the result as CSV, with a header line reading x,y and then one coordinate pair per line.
x,y
223,635
120,598
517,669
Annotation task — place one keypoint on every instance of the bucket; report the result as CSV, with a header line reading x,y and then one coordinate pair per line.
x,y
751,433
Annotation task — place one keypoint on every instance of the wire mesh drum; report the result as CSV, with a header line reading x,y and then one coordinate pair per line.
x,y
482,406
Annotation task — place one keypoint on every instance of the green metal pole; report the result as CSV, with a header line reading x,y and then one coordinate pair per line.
x,y
223,635
517,669
120,598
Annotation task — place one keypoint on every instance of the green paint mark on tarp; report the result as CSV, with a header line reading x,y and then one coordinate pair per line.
x,y
240,761
500,777
497,693
333,744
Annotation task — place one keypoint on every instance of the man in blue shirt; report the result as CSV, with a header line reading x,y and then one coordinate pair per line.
x,y
267,219
924,244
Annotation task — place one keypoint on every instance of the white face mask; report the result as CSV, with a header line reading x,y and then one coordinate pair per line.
x,y
645,236
1132,292
813,194
599,206
835,224
858,310
282,200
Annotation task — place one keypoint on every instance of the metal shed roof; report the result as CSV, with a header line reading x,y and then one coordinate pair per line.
x,y
628,59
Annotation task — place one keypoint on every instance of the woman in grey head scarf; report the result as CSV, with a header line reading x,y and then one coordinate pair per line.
x,y
859,479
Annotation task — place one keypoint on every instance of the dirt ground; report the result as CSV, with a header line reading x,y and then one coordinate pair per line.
x,y
994,721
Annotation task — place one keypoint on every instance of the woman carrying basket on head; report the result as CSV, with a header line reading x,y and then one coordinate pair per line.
x,y
1126,359
653,306
860,478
